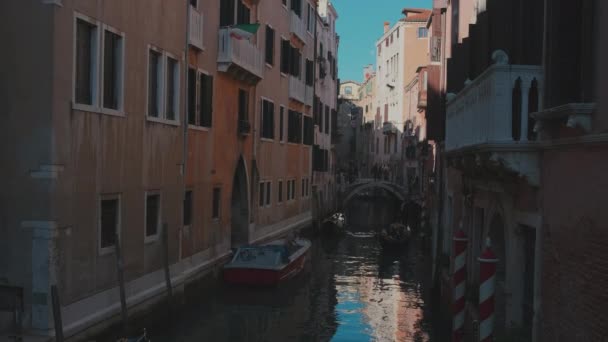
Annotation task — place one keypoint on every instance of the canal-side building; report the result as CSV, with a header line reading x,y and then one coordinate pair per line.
x,y
152,129
400,51
325,106
366,100
494,80
571,127
349,90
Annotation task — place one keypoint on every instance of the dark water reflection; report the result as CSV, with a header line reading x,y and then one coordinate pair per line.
x,y
352,291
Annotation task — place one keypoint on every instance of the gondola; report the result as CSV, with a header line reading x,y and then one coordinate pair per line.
x,y
334,225
395,235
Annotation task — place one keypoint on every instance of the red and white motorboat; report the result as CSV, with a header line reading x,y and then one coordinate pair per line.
x,y
267,264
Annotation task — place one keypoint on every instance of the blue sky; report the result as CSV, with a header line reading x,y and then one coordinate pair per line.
x,y
360,23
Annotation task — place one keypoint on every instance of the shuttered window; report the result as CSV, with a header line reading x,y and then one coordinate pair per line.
x,y
206,100
154,89
112,60
294,127
191,96
267,119
243,105
309,72
85,66
269,48
285,56
308,131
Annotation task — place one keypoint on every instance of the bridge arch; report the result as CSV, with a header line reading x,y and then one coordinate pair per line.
x,y
392,188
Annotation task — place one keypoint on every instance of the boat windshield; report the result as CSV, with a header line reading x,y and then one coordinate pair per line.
x,y
262,255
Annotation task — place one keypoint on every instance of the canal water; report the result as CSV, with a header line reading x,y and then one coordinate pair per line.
x,y
351,291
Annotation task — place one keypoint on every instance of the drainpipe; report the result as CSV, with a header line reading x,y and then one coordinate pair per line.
x,y
185,129
315,198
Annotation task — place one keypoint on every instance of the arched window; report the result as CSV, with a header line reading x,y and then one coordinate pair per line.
x,y
532,107
516,111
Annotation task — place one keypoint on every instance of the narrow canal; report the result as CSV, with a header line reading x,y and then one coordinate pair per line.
x,y
351,291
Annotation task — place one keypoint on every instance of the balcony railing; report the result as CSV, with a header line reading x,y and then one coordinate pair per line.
x,y
239,53
195,31
297,89
309,95
298,27
482,112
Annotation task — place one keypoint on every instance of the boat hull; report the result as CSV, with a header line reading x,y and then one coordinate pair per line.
x,y
265,277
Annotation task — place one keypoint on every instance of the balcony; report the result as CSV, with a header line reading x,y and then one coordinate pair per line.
x,y
195,30
239,57
482,117
297,89
308,96
297,26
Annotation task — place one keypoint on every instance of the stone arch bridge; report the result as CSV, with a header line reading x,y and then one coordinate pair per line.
x,y
349,191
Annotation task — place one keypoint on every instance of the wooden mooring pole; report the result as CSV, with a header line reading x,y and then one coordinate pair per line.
x,y
57,314
166,264
121,285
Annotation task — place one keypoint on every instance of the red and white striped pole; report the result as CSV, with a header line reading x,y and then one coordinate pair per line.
x,y
459,279
487,281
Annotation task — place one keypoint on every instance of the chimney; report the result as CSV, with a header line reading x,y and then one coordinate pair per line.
x,y
386,26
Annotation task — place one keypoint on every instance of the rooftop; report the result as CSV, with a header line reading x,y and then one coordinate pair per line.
x,y
416,14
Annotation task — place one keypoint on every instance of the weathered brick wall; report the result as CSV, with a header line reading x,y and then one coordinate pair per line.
x,y
575,245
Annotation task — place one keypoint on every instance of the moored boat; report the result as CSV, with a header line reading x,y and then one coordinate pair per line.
x,y
395,235
267,264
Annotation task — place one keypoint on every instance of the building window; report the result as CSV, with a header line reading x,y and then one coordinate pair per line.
x,y
294,127
234,12
308,131
187,208
193,3
154,83
296,7
295,62
423,32
281,123
172,93
112,70
311,18
262,193
265,192
109,221
191,96
348,90
285,55
152,215
215,212
269,45
291,189
303,192
205,100
267,119
309,72
243,105
280,192
86,62
391,38
157,81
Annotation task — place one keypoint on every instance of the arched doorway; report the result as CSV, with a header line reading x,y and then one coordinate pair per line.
x,y
239,231
497,238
